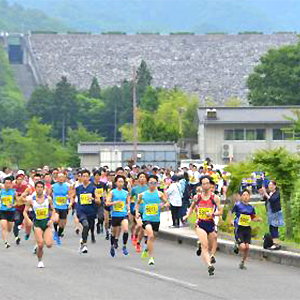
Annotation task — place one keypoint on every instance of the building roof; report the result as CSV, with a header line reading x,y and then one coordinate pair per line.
x,y
248,114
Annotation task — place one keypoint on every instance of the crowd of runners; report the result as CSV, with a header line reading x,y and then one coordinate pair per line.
x,y
123,204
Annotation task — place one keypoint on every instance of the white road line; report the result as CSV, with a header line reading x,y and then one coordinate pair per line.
x,y
163,277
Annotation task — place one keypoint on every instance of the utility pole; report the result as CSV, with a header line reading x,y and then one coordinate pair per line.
x,y
135,129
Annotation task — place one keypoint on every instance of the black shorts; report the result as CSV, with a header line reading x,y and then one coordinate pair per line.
x,y
117,221
243,235
155,225
9,216
62,213
208,227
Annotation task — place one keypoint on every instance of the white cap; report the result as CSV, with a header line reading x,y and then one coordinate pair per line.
x,y
20,172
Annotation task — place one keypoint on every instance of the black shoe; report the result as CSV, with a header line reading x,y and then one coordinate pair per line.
x,y
98,229
213,260
116,245
107,236
199,250
236,249
211,270
18,240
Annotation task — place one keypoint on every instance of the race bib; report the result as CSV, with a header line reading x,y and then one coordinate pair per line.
x,y
86,199
42,213
151,209
244,220
7,200
202,215
119,207
61,200
100,191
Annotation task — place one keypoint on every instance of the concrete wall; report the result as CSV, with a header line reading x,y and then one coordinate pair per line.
x,y
214,139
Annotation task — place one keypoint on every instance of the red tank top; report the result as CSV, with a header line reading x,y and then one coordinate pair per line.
x,y
204,207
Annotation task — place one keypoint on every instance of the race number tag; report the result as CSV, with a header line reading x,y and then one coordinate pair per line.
x,y
151,209
119,207
100,192
42,213
86,199
202,215
244,220
7,200
61,200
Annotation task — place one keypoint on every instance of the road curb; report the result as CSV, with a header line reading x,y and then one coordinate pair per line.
x,y
281,257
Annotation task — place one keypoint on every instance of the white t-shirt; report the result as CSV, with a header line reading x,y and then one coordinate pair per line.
x,y
174,193
194,176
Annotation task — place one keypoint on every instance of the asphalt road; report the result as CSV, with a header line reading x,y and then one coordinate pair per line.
x,y
178,274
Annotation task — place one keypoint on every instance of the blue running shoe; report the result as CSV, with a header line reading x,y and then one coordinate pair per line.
x,y
58,241
112,251
125,251
55,235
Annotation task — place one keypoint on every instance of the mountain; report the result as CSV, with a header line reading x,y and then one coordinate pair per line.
x,y
164,16
14,17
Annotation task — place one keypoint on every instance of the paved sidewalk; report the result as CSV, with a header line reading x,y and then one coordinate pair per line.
x,y
186,235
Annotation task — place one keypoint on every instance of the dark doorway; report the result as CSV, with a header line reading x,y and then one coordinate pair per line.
x,y
15,54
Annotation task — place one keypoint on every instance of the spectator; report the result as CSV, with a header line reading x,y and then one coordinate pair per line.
x,y
275,216
186,195
194,176
174,194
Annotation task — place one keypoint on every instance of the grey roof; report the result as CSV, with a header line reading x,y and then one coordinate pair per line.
x,y
249,114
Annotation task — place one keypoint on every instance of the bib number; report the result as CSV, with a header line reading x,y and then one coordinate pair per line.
x,y
244,220
119,207
151,209
61,201
202,215
7,200
85,199
42,213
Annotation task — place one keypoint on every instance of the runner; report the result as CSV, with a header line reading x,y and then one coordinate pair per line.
x,y
207,209
40,204
110,185
86,208
100,189
119,199
151,200
137,231
74,200
7,210
244,214
20,186
61,195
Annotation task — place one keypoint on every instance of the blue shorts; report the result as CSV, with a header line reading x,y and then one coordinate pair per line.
x,y
208,227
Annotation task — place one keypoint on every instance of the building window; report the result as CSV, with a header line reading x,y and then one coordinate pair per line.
x,y
244,134
228,135
260,134
277,135
281,135
239,134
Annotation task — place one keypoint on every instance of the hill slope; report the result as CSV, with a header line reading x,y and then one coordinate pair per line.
x,y
15,18
199,16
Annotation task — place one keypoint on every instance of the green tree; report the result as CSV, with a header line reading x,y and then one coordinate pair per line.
x,y
275,81
283,167
75,137
144,80
150,100
95,90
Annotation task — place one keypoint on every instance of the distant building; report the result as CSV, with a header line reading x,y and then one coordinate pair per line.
x,y
227,133
120,154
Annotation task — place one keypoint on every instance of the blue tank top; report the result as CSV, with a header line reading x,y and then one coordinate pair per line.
x,y
119,210
60,196
151,206
7,197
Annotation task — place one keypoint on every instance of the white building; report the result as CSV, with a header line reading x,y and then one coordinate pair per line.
x,y
227,133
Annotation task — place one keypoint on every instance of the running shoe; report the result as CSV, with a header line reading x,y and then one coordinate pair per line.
x,y
34,251
18,240
213,260
145,254
107,235
124,250
27,237
134,240
7,245
199,250
55,235
138,248
236,249
112,251
58,241
211,270
84,249
40,265
242,266
151,261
